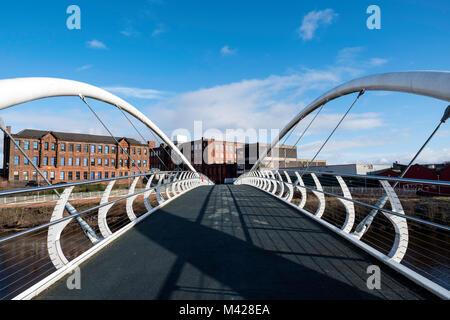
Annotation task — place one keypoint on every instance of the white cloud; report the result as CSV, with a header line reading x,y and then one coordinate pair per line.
x,y
313,20
376,62
227,51
96,44
85,67
160,29
150,94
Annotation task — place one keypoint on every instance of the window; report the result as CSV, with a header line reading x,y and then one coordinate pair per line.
x,y
113,162
25,161
92,162
86,148
45,174
85,175
25,176
100,149
126,162
121,174
151,153
70,162
52,175
63,147
106,162
134,150
63,162
99,162
92,175
78,175
34,176
16,160
139,151
53,161
139,163
145,163
77,162
62,175
71,147
35,145
53,146
16,176
46,146
70,176
92,148
99,175
121,162
26,145
106,175
145,151
121,150
113,149
106,149
85,162
78,147
35,161
15,145
113,174
45,161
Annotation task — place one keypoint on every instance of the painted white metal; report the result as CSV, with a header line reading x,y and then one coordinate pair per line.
x,y
320,196
290,187
147,193
159,198
55,251
103,211
281,184
130,201
435,84
300,185
349,206
21,90
400,246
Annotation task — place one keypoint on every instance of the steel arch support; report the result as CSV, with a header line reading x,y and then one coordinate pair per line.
x,y
130,201
320,196
290,195
148,192
281,183
55,252
349,206
103,211
302,190
401,241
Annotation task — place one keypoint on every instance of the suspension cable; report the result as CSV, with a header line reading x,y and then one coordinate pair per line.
x,y
110,133
361,93
139,133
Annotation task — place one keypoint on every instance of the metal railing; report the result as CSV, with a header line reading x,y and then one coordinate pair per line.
x,y
412,235
38,247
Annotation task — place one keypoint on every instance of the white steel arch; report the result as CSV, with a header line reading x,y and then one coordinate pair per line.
x,y
435,84
21,90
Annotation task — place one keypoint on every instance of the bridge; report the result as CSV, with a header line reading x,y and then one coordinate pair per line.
x,y
274,234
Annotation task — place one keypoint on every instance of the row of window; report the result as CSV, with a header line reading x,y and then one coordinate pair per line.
x,y
70,176
78,147
77,162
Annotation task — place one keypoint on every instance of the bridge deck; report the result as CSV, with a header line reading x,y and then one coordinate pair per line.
x,y
232,242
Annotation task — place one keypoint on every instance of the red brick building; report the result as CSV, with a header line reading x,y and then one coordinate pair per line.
x,y
215,159
70,157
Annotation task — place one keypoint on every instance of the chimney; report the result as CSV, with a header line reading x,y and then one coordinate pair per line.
x,y
8,128
152,144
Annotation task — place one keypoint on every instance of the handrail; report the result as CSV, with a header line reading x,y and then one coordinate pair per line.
x,y
374,177
432,224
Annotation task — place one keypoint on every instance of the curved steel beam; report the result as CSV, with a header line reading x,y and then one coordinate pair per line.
x,y
21,90
435,84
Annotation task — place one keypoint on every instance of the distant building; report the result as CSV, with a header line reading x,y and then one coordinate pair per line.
x,y
354,168
280,157
68,157
215,159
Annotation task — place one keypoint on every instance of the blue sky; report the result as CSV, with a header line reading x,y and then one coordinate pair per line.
x,y
235,65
